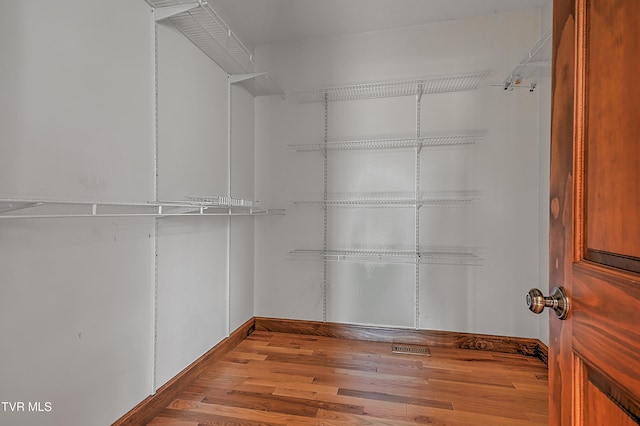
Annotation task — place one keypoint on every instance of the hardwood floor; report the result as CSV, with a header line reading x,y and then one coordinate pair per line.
x,y
289,379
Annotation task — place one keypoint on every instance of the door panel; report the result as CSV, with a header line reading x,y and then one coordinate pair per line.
x,y
606,333
594,355
596,403
611,133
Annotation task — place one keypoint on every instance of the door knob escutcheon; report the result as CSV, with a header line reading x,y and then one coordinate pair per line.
x,y
558,301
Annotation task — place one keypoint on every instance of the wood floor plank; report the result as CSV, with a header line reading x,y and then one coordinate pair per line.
x,y
462,418
295,393
211,419
331,418
372,408
288,379
455,391
277,403
241,415
299,385
168,421
391,384
382,396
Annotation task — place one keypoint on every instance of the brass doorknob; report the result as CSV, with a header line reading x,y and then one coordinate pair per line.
x,y
558,301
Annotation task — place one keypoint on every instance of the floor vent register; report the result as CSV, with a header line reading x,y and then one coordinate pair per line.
x,y
403,348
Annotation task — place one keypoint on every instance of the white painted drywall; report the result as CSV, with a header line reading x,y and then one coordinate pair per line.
x,y
192,161
242,186
64,83
191,291
75,123
192,120
77,296
75,312
505,167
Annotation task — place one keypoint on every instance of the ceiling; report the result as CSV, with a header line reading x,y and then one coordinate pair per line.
x,y
271,21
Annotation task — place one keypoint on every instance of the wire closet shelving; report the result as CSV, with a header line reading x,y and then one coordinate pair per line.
x,y
417,254
390,143
11,208
537,59
409,87
199,23
434,256
432,199
362,91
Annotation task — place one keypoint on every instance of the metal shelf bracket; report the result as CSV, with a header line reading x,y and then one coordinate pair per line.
x,y
536,58
420,91
162,13
15,206
237,78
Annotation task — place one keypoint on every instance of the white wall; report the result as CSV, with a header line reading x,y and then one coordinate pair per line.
x,y
192,161
77,296
75,123
242,186
505,167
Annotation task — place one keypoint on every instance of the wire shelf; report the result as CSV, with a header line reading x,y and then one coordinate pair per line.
x,y
417,86
536,59
383,256
220,201
450,257
390,143
365,201
216,206
205,29
452,198
436,199
440,256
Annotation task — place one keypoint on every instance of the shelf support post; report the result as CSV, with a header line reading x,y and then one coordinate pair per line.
x,y
156,224
325,244
229,201
417,205
418,106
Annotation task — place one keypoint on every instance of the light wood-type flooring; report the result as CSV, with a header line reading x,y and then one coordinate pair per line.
x,y
292,379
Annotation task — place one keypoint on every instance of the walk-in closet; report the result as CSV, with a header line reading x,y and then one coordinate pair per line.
x,y
172,171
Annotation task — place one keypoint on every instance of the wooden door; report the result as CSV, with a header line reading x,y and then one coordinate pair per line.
x,y
594,355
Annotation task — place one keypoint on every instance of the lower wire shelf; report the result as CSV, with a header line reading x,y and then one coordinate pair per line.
x,y
435,199
196,206
436,256
391,143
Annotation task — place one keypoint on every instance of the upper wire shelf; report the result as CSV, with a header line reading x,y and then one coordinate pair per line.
x,y
434,256
201,206
417,86
197,21
390,143
536,59
435,199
